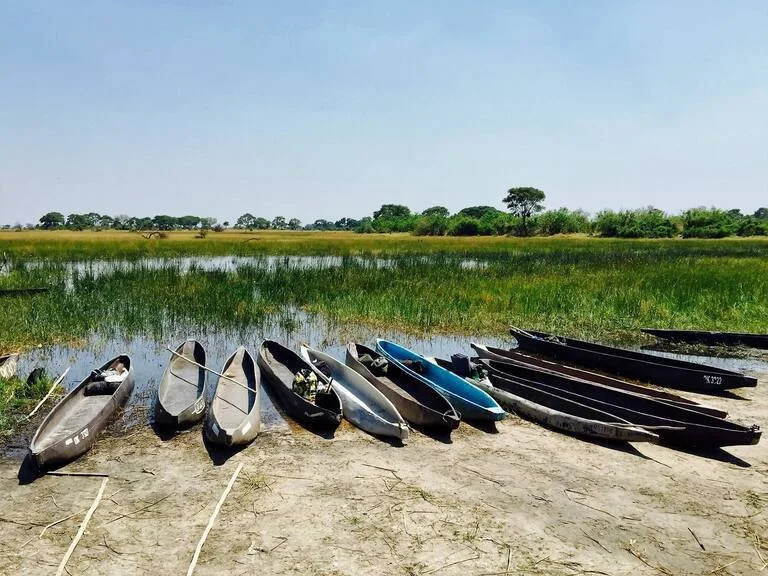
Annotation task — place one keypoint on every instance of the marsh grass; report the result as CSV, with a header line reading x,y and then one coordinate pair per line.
x,y
558,286
17,398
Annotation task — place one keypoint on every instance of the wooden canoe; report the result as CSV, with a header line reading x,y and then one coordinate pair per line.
x,y
534,363
361,403
181,395
711,338
234,416
471,402
566,415
678,426
8,365
278,366
637,365
417,401
71,427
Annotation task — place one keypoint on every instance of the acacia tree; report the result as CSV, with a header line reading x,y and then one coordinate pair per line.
x,y
52,220
524,202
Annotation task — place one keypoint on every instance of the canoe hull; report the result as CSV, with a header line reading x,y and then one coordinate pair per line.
x,y
193,412
636,365
534,363
361,403
711,338
220,427
84,435
277,364
433,411
471,402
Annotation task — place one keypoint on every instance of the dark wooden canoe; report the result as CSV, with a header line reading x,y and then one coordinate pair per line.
x,y
680,426
711,338
71,428
565,415
636,365
22,291
235,416
181,394
279,365
417,402
8,365
532,362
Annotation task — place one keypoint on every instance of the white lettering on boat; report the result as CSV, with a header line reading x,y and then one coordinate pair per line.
x,y
714,380
76,440
199,406
68,442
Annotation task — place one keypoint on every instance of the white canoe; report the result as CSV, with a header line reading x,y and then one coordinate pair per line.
x,y
361,403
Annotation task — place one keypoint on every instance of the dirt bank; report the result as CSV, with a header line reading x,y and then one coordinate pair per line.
x,y
524,500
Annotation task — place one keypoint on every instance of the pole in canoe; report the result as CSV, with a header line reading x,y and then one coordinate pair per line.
x,y
212,371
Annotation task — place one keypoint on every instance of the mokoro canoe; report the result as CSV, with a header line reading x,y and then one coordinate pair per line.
x,y
279,365
181,394
361,402
711,338
535,363
8,365
23,291
234,416
565,415
71,427
417,401
637,365
469,401
676,426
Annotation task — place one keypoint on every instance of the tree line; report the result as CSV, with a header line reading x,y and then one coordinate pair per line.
x,y
525,217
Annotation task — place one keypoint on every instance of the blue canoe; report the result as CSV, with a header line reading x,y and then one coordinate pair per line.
x,y
470,401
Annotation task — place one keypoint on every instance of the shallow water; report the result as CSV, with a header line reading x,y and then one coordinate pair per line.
x,y
150,357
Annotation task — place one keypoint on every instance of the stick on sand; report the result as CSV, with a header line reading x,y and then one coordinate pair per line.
x,y
213,519
83,526
58,381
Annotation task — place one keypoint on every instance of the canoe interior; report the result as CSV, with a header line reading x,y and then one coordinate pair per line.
x,y
185,382
78,411
284,363
232,403
404,384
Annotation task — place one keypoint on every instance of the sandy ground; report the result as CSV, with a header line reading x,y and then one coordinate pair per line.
x,y
524,500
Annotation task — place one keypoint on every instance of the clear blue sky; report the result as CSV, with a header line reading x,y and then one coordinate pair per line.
x,y
329,109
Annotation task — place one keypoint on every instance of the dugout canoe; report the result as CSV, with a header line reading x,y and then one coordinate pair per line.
x,y
471,402
8,365
417,401
636,365
181,395
234,416
71,427
676,426
711,338
361,402
563,415
525,360
279,365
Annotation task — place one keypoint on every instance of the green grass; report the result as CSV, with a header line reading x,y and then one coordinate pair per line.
x,y
575,287
594,288
17,398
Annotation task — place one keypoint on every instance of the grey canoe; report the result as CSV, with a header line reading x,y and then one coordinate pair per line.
x,y
361,403
8,365
71,428
234,416
181,394
559,413
417,401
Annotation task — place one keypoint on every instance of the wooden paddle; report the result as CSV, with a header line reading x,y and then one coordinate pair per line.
x,y
220,375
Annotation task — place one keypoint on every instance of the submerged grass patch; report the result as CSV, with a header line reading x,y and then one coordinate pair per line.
x,y
18,398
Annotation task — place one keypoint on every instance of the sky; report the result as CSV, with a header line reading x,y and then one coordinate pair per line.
x,y
315,109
